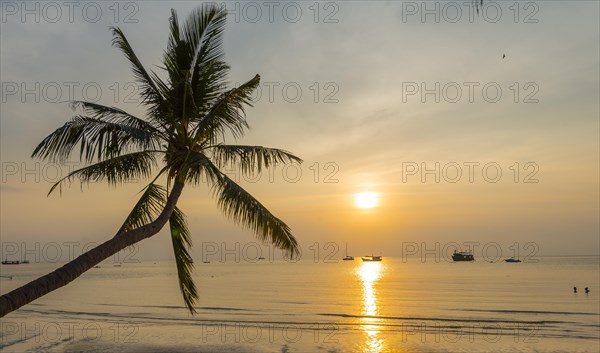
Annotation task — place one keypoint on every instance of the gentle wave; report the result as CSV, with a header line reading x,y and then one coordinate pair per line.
x,y
528,312
449,319
541,329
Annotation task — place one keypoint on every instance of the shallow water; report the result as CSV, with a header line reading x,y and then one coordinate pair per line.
x,y
344,306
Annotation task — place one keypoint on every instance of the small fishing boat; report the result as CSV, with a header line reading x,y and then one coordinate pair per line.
x,y
371,258
463,256
348,257
7,262
512,259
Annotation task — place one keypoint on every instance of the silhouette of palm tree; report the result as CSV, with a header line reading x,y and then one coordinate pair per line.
x,y
181,140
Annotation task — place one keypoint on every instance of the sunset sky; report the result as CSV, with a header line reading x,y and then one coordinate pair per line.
x,y
361,123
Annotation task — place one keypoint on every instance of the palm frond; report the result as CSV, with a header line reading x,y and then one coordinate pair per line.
x,y
115,115
146,209
237,204
97,139
203,31
177,61
250,158
149,91
209,82
228,112
197,169
117,170
182,241
244,209
177,58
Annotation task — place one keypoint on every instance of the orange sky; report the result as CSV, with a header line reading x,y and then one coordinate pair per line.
x,y
361,128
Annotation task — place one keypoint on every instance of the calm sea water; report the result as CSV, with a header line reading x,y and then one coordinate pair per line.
x,y
348,306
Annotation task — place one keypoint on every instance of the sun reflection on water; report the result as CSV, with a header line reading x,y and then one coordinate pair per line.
x,y
370,273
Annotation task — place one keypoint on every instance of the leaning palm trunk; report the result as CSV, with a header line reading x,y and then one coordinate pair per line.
x,y
189,116
35,289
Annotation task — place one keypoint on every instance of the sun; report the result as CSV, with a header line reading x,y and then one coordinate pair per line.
x,y
366,199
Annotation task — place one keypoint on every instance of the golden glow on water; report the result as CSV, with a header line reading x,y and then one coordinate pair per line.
x,y
370,273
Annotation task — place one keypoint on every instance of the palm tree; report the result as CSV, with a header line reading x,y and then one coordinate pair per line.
x,y
181,141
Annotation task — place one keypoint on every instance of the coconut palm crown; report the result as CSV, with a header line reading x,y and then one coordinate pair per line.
x,y
181,141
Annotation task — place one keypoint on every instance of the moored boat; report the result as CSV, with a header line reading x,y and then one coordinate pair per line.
x,y
371,258
512,259
348,257
463,256
7,262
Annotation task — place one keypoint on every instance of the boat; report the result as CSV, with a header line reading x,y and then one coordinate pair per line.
x,y
7,262
512,259
206,262
348,257
14,262
463,256
371,258
261,258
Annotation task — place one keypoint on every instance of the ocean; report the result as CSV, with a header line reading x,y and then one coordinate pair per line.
x,y
396,305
